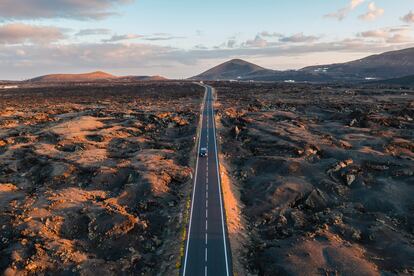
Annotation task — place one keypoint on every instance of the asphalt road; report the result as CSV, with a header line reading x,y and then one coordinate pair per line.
x,y
207,248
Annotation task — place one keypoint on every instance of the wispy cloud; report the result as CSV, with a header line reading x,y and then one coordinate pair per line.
x,y
299,38
373,12
269,34
396,35
73,9
268,39
153,37
18,33
408,18
343,12
231,43
380,33
162,37
87,32
257,42
116,38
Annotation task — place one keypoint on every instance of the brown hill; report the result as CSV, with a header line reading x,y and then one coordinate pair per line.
x,y
98,75
233,69
143,78
94,76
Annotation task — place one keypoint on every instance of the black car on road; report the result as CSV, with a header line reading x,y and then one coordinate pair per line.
x,y
203,152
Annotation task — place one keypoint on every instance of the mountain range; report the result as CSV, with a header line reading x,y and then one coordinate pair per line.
x,y
388,65
395,67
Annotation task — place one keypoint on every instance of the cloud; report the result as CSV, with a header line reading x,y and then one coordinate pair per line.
x,y
73,9
381,33
373,12
299,38
390,35
257,42
260,42
268,34
153,37
18,33
399,38
200,47
116,38
162,37
408,18
87,32
231,43
343,12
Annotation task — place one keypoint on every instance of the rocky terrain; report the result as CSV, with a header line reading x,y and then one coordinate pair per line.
x,y
403,81
93,179
325,176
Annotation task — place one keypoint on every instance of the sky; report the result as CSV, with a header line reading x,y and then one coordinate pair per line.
x,y
182,38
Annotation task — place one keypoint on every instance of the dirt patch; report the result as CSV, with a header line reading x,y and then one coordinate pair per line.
x,y
235,222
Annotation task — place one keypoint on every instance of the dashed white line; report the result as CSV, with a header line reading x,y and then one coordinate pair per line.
x,y
205,255
209,111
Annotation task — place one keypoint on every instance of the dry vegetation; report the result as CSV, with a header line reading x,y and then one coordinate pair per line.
x,y
325,175
93,179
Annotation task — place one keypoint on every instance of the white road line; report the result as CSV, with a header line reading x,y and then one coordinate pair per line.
x,y
219,181
194,189
205,270
205,255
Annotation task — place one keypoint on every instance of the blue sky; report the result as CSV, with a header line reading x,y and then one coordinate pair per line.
x,y
181,38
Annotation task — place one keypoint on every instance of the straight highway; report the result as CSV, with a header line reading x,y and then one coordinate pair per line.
x,y
207,250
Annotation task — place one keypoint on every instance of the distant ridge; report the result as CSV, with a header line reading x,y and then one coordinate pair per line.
x,y
143,78
93,76
98,75
388,65
403,81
